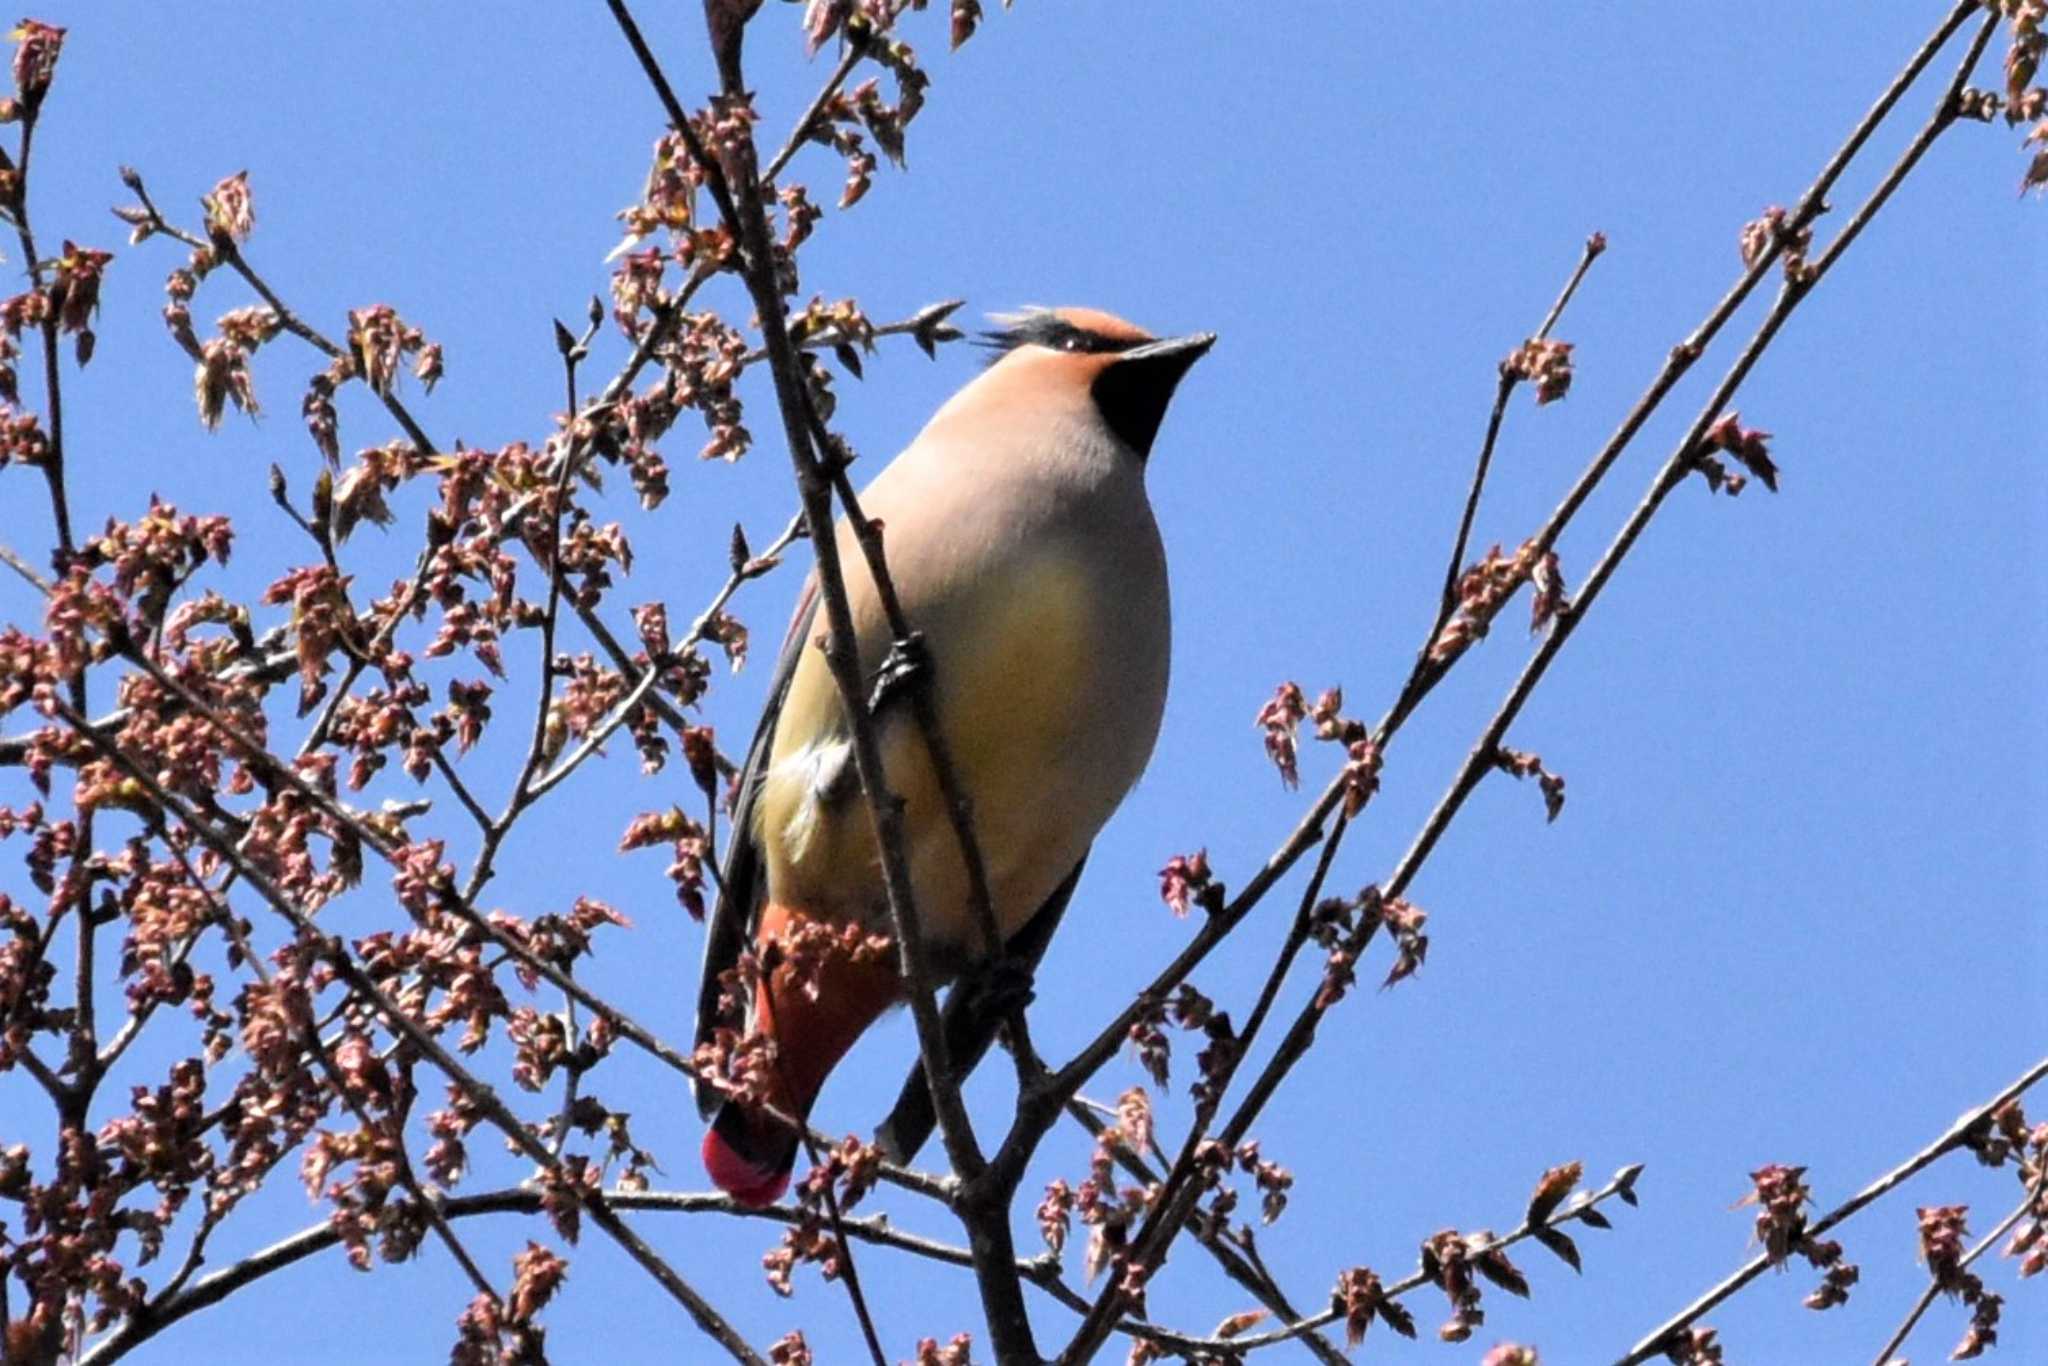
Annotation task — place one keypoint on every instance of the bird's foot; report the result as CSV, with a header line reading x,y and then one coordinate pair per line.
x,y
905,668
1002,988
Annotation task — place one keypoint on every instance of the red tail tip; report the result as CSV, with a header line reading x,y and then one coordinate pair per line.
x,y
745,1180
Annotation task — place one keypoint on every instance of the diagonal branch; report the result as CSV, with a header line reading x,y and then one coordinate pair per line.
x,y
852,51
1622,1185
752,568
1678,465
1955,1136
1934,1287
1509,378
1245,1267
1175,1205
486,1100
210,1290
227,250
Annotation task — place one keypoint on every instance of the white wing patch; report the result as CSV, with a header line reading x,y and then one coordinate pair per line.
x,y
816,775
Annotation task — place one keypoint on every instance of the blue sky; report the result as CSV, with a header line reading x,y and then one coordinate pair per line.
x,y
1791,912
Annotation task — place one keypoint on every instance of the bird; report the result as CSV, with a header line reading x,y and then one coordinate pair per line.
x,y
1024,552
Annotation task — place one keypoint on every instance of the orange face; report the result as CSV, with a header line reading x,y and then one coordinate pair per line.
x,y
1129,373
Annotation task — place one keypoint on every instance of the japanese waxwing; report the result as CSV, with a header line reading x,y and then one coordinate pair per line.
x,y
1022,547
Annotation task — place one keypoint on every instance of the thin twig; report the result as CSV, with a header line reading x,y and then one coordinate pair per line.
x,y
1297,935
1949,1140
927,324
1509,378
481,1095
536,749
1167,1217
13,560
849,58
1571,1211
753,568
849,1270
166,1310
52,462
461,790
1243,1267
1934,1287
572,1073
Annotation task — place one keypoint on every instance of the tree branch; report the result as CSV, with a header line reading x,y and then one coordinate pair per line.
x,y
1509,378
1950,1139
1167,1217
481,1095
166,1310
735,188
1623,1185
1920,1305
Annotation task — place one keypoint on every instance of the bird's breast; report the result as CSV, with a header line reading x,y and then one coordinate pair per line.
x,y
1016,665
1050,694
1050,667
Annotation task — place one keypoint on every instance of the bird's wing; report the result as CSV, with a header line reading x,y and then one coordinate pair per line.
x,y
970,1021
741,882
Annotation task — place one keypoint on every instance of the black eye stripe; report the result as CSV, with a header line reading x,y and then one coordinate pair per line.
x,y
1055,333
1071,338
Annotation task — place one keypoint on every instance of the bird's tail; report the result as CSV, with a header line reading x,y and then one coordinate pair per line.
x,y
826,986
749,1155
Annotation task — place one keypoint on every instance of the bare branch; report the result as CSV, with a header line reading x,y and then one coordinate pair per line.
x,y
849,58
1898,1338
984,1208
483,1096
1166,1217
1622,1185
1509,378
1680,463
753,568
1950,1139
209,1290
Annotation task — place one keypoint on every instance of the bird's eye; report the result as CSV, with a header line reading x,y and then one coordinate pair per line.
x,y
1073,341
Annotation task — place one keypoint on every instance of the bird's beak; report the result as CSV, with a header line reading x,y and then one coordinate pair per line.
x,y
1172,356
1133,390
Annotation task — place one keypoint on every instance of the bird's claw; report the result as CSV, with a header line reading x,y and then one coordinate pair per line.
x,y
906,667
1003,987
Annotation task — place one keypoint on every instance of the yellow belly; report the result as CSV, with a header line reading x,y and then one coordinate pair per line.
x,y
1016,682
